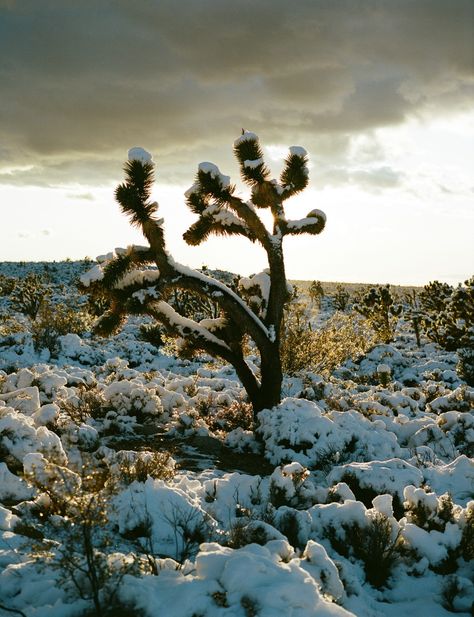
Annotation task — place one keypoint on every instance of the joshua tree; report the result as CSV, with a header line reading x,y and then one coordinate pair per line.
x,y
378,307
256,308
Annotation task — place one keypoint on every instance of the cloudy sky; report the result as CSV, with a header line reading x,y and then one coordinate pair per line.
x,y
379,92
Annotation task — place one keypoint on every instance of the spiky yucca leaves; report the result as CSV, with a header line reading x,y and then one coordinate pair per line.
x,y
250,156
117,268
110,322
134,194
294,177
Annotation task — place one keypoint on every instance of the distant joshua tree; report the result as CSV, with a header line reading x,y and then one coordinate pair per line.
x,y
255,309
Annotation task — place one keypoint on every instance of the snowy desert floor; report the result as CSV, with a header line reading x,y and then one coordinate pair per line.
x,y
122,470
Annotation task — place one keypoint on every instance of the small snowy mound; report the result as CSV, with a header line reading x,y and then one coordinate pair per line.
x,y
253,580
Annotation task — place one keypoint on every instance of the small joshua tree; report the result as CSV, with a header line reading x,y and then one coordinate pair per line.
x,y
28,295
255,310
378,308
414,313
448,318
341,298
316,292
456,328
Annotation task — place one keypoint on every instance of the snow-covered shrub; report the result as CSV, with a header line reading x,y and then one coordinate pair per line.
x,y
227,418
19,437
459,427
324,570
128,397
458,594
86,404
438,530
170,518
467,523
245,531
78,509
370,535
378,545
298,430
287,485
368,480
426,510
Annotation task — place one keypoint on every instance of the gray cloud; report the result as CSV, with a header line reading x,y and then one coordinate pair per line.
x,y
81,196
371,179
82,82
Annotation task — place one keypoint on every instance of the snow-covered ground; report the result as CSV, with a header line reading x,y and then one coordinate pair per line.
x,y
357,499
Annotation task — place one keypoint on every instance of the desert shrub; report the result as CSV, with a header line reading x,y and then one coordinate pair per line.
x,y
449,314
250,605
53,321
453,590
422,516
378,307
289,526
341,338
374,544
7,284
243,532
227,418
9,325
341,298
332,455
467,540
366,494
157,465
29,294
89,403
82,552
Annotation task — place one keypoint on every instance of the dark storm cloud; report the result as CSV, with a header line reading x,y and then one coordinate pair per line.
x,y
81,82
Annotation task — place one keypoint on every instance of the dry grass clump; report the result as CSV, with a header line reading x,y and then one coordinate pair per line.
x,y
342,337
53,321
